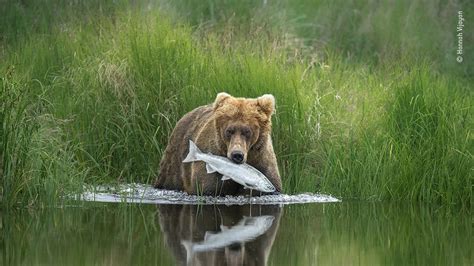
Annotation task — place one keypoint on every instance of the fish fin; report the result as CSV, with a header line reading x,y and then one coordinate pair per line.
x,y
188,245
210,169
224,177
193,151
224,228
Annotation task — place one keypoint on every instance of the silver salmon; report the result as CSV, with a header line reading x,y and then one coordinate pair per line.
x,y
246,230
244,174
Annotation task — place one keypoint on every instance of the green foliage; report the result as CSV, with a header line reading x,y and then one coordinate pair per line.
x,y
91,94
417,150
36,163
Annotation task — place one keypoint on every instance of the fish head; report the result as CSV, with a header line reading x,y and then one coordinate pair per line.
x,y
266,220
260,222
265,186
260,186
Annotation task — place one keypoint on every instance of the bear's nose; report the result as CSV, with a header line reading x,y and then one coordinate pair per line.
x,y
237,156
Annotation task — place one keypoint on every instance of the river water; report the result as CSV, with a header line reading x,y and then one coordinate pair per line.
x,y
234,231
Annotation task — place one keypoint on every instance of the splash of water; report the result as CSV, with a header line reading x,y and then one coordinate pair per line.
x,y
140,193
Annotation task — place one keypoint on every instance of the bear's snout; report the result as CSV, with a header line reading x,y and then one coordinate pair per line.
x,y
238,146
237,157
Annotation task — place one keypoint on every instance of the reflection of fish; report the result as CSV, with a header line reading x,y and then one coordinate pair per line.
x,y
247,229
244,174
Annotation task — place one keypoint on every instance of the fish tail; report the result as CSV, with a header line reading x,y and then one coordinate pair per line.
x,y
193,151
188,245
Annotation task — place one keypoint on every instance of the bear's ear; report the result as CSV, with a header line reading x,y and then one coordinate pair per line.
x,y
266,103
220,98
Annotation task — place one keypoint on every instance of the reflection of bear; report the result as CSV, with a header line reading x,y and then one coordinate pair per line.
x,y
237,128
181,223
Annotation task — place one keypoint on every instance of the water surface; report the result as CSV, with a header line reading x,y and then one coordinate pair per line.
x,y
142,193
345,233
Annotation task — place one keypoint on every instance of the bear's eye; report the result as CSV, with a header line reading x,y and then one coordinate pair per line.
x,y
246,132
229,132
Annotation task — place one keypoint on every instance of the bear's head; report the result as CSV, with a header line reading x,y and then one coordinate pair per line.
x,y
243,124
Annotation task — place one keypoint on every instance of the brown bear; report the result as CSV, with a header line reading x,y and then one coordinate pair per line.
x,y
238,128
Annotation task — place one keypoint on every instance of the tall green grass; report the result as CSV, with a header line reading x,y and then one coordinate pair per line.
x,y
374,32
38,164
92,94
418,148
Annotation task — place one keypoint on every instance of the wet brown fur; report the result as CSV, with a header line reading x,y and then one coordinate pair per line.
x,y
227,125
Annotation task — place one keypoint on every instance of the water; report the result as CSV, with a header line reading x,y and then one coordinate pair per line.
x,y
140,193
330,233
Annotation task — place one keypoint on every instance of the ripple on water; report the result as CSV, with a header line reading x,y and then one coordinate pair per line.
x,y
140,193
